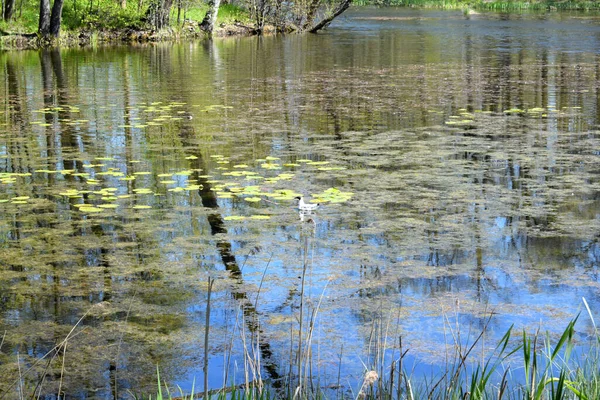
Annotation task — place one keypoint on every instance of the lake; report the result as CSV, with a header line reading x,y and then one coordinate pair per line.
x,y
455,159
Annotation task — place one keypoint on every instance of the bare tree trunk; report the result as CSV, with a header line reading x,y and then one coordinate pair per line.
x,y
123,4
44,22
56,17
159,13
343,6
9,9
208,23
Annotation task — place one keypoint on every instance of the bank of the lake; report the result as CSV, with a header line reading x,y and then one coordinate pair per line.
x,y
108,23
123,26
134,37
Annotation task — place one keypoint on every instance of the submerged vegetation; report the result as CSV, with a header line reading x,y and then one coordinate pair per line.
x,y
117,195
521,366
456,190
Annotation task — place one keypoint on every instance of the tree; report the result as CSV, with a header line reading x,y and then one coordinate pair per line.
x,y
56,17
208,23
159,13
9,9
44,22
50,21
341,7
300,15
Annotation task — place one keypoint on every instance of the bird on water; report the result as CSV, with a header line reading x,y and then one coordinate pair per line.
x,y
302,206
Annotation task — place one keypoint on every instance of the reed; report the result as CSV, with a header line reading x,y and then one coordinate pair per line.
x,y
532,366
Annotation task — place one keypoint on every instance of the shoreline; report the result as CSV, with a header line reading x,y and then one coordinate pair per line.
x,y
191,30
84,38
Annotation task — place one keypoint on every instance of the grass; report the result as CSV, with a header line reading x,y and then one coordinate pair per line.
x,y
522,366
90,15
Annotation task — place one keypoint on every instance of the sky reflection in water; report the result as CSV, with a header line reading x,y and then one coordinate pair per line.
x,y
469,147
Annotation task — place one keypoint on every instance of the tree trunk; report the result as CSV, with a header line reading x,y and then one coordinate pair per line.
x,y
123,4
208,23
44,23
56,17
159,13
343,6
311,13
9,9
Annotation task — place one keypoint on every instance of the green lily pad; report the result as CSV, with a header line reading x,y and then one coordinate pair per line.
x,y
234,218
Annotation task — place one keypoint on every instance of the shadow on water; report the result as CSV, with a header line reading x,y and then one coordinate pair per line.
x,y
218,229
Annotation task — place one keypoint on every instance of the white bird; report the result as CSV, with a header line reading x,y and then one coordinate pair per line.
x,y
302,206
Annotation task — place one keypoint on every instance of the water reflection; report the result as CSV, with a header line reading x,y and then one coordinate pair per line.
x,y
465,199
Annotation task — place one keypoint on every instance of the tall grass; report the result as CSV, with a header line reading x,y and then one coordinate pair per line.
x,y
526,366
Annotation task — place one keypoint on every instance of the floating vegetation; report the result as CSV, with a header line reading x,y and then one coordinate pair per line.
x,y
514,111
416,223
234,218
260,217
90,209
332,195
143,191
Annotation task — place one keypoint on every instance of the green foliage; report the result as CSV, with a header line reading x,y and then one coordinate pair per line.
x,y
108,15
101,15
25,19
109,18
230,13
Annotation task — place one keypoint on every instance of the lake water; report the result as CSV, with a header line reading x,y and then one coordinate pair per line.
x,y
456,159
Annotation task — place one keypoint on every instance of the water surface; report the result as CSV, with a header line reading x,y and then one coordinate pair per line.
x,y
461,155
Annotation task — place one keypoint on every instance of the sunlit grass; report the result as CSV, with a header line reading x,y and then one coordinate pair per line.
x,y
108,15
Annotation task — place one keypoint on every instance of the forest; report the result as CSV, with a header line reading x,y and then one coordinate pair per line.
x,y
29,23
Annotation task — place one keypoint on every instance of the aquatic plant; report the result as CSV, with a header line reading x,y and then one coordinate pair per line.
x,y
548,372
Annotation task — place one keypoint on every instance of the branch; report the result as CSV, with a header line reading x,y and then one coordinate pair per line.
x,y
343,6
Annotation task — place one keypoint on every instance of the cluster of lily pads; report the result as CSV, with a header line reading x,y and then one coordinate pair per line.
x,y
142,116
154,114
254,187
99,186
235,181
466,119
59,109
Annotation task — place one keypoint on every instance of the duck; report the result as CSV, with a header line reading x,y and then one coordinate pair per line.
x,y
302,206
